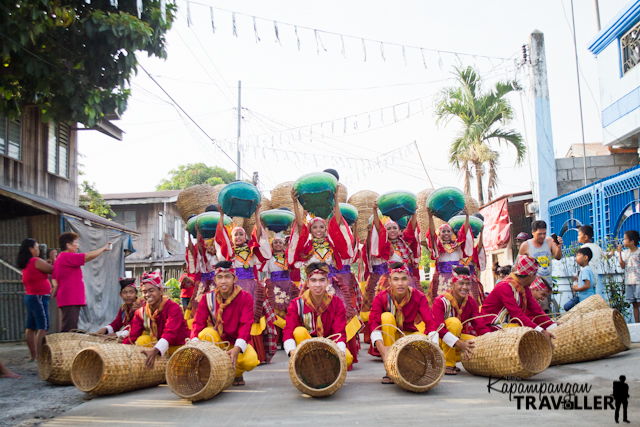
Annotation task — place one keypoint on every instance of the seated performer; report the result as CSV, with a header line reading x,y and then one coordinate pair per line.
x,y
120,325
316,313
453,308
400,306
541,289
230,310
511,299
159,320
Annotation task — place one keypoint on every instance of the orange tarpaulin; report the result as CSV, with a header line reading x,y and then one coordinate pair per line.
x,y
497,225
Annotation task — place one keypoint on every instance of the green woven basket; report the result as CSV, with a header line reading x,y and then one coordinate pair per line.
x,y
397,204
277,220
348,212
207,223
446,202
316,191
239,199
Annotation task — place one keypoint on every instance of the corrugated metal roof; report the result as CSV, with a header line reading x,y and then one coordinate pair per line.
x,y
144,195
58,208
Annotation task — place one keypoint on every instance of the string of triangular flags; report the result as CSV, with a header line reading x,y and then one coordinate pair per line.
x,y
318,35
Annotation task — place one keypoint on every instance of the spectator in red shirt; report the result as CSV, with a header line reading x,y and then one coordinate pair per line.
x,y
187,286
35,276
68,285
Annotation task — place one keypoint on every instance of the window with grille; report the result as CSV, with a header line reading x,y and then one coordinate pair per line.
x,y
10,137
126,218
58,149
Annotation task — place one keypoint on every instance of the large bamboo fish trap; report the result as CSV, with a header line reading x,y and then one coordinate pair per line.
x,y
593,303
318,367
199,371
590,336
363,202
56,356
194,200
421,213
415,363
115,368
341,193
519,352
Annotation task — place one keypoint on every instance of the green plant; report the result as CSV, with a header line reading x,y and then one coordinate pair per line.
x,y
173,289
613,277
425,261
193,174
425,285
91,200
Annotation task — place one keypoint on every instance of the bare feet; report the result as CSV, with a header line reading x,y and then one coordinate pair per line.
x,y
387,380
6,373
239,381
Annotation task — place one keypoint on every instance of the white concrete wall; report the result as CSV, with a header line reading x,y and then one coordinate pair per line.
x,y
613,87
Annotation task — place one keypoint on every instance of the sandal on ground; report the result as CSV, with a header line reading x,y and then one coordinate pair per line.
x,y
387,380
450,370
239,381
457,369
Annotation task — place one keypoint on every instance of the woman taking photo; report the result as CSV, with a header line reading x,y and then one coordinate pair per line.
x,y
68,284
35,276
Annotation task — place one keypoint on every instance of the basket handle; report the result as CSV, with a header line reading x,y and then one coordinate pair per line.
x,y
218,342
546,321
331,337
387,334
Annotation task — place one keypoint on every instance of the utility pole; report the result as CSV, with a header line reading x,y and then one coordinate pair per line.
x,y
597,15
238,169
545,186
575,51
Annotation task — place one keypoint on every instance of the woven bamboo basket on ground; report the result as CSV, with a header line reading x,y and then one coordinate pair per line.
x,y
519,352
318,367
415,363
590,336
193,200
363,202
593,303
115,368
199,371
342,193
56,357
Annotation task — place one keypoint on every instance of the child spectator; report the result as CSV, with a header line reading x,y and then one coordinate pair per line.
x,y
586,281
503,272
630,261
585,236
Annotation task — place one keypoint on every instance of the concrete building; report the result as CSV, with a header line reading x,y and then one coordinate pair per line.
x,y
615,48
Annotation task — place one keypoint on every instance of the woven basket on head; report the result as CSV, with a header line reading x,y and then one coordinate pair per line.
x,y
363,202
193,200
590,336
115,368
471,204
593,303
421,212
415,363
342,193
318,367
519,352
199,371
56,357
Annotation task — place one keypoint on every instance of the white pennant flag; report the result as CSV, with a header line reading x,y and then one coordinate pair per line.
x,y
233,21
275,27
424,60
255,29
188,14
344,53
213,25
404,56
139,8
319,42
382,52
298,38
364,50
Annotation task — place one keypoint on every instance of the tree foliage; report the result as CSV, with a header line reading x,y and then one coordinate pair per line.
x,y
72,59
483,116
193,174
91,200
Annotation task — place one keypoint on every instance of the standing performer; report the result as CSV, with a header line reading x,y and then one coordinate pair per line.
x,y
398,307
316,313
200,259
476,263
121,324
230,310
447,250
246,258
454,308
159,320
511,299
332,245
279,286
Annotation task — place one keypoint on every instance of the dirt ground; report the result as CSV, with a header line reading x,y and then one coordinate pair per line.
x,y
30,401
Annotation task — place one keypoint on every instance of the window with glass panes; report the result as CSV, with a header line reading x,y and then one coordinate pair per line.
x,y
58,149
126,218
10,137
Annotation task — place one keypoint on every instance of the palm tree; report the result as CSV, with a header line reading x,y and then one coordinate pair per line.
x,y
484,116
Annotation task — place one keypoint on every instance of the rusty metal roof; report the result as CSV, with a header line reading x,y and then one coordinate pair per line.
x,y
42,204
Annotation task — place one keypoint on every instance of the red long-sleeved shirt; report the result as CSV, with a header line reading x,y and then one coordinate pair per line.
x,y
417,305
172,328
334,321
442,310
505,305
237,318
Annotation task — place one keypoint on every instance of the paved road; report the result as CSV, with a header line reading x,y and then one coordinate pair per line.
x,y
269,398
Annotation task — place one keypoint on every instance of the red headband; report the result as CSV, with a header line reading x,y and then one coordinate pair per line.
x,y
539,284
457,278
231,270
153,278
318,271
402,269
